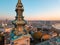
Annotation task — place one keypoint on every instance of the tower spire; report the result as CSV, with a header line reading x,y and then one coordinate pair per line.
x,y
19,21
19,5
19,32
19,1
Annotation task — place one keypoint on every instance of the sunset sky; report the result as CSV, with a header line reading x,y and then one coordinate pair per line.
x,y
33,9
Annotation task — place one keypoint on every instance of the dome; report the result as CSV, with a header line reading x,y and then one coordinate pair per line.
x,y
37,35
46,36
57,26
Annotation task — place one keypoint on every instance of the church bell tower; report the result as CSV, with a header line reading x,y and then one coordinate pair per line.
x,y
19,35
19,21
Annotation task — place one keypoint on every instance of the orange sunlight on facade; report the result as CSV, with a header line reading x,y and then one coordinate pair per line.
x,y
46,36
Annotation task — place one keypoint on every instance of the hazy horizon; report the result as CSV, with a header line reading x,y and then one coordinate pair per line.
x,y
33,9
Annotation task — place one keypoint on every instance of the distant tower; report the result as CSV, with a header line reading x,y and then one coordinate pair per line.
x,y
19,35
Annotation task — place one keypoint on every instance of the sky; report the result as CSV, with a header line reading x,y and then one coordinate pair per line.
x,y
33,9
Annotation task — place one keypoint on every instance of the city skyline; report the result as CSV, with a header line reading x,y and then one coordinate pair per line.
x,y
33,9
